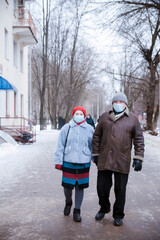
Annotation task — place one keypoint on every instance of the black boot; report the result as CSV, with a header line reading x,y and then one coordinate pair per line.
x,y
67,208
76,215
100,215
118,222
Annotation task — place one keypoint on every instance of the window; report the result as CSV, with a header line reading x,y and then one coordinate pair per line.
x,y
15,104
6,44
15,55
21,60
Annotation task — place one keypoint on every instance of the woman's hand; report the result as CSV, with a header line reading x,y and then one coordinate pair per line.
x,y
95,160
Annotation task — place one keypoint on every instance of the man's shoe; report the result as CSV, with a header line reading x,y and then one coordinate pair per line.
x,y
100,215
76,215
67,208
118,222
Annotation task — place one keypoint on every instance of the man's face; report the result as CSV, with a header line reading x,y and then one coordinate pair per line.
x,y
120,102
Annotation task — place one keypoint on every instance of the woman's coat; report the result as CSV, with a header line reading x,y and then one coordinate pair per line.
x,y
79,144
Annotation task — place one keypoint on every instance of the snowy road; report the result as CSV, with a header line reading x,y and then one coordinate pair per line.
x,y
32,202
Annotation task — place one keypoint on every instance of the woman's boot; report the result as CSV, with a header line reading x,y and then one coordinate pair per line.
x,y
76,215
67,208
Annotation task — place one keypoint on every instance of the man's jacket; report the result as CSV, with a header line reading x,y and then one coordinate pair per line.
x,y
112,141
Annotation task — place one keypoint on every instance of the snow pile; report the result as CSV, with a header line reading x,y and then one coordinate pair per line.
x,y
7,148
16,160
10,149
5,137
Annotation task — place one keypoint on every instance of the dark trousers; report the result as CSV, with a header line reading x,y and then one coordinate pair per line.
x,y
104,184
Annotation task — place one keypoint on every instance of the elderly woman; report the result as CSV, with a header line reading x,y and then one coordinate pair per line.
x,y
73,157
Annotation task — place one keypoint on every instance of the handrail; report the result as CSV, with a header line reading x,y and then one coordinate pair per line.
x,y
20,126
29,120
22,122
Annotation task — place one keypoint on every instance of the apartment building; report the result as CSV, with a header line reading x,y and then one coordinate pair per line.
x,y
17,32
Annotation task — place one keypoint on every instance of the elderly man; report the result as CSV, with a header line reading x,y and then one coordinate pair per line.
x,y
111,149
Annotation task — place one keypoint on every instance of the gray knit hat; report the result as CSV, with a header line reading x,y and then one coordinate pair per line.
x,y
120,97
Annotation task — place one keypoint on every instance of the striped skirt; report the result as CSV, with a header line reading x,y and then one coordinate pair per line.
x,y
75,174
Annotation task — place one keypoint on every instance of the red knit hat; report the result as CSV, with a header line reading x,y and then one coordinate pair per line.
x,y
79,108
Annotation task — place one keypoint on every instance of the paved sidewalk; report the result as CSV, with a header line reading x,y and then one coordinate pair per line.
x,y
32,201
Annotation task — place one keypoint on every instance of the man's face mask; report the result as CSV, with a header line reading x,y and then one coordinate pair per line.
x,y
118,107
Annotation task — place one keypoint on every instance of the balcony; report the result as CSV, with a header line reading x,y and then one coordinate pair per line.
x,y
24,27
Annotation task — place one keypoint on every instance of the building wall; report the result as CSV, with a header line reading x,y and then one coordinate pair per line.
x,y
16,75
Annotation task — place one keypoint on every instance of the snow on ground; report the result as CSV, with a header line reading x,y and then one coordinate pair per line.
x,y
14,159
7,149
152,141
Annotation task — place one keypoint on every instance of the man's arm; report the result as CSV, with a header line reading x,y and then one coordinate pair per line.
x,y
97,140
138,141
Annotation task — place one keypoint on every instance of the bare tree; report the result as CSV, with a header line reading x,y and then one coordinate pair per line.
x,y
36,82
46,10
138,21
65,66
59,37
71,61
79,9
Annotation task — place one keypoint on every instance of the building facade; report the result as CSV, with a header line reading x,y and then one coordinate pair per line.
x,y
17,32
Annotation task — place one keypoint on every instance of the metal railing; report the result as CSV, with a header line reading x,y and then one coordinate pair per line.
x,y
20,123
24,18
17,126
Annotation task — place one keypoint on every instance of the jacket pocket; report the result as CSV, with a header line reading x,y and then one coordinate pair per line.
x,y
123,163
86,151
67,150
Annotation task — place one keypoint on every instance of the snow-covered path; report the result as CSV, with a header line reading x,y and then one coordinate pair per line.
x,y
32,201
17,161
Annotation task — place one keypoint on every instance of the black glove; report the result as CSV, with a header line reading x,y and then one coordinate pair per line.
x,y
95,160
137,165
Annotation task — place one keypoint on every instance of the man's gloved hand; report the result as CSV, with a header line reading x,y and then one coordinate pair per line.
x,y
58,166
95,160
137,165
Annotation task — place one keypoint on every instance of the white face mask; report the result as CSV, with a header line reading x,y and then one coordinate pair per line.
x,y
118,107
78,118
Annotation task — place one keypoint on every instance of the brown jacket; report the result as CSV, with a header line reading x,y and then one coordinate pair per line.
x,y
112,141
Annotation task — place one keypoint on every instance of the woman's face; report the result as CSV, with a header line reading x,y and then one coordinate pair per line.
x,y
78,112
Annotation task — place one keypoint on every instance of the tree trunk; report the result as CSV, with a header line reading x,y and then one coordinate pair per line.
x,y
42,119
151,100
155,120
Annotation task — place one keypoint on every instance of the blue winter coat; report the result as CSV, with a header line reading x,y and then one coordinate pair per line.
x,y
79,144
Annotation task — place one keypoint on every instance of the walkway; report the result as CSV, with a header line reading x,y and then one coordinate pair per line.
x,y
32,201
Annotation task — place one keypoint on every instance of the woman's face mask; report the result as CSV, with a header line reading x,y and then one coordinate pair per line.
x,y
78,118
118,107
